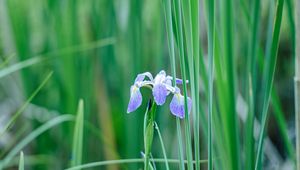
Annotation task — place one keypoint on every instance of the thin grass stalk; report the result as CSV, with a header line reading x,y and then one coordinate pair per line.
x,y
268,80
183,73
251,83
195,15
231,118
171,45
297,82
162,146
210,32
191,41
27,102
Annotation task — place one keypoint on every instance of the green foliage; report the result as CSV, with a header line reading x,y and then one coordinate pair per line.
x,y
227,50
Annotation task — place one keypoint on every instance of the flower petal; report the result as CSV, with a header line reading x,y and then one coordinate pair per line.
x,y
178,81
160,77
160,93
141,77
135,99
177,105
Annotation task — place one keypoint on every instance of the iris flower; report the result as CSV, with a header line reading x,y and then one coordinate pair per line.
x,y
161,87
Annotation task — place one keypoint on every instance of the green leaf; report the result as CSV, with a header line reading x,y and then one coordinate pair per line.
x,y
21,163
268,76
78,135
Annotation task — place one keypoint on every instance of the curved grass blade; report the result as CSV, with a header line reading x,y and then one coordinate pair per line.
x,y
268,76
23,107
127,161
78,135
53,55
40,130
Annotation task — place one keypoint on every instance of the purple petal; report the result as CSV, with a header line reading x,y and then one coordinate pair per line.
x,y
178,81
160,93
177,105
141,77
135,99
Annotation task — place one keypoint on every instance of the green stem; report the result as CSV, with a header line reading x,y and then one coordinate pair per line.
x,y
148,132
297,82
183,73
162,146
210,35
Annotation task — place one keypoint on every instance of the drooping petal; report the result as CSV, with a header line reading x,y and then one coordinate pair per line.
x,y
160,77
135,100
177,105
141,77
160,93
178,81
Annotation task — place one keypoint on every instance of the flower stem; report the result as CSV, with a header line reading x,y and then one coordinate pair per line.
x,y
297,83
148,132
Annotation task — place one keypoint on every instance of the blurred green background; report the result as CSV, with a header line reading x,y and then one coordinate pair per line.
x,y
95,48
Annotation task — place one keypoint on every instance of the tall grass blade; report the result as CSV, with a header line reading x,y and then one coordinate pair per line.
x,y
23,107
195,15
182,59
250,87
268,76
210,32
78,135
21,163
171,44
229,95
297,82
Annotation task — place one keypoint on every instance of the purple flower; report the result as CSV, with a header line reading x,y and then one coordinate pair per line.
x,y
177,104
161,87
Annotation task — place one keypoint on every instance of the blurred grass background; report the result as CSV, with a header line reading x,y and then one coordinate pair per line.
x,y
95,49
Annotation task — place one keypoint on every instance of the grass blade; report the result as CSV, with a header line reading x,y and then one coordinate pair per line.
x,y
34,134
126,161
297,81
23,107
211,30
169,24
78,135
268,76
250,87
21,163
53,55
182,60
162,145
